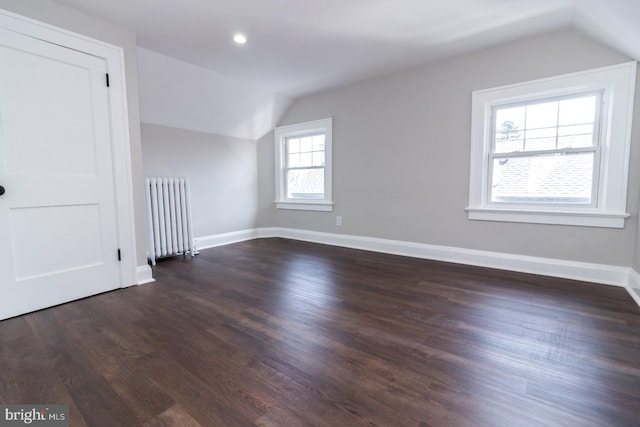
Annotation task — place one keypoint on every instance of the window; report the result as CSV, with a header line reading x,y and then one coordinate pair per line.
x,y
545,151
553,151
303,166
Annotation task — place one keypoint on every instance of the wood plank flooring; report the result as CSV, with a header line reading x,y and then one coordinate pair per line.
x,y
274,332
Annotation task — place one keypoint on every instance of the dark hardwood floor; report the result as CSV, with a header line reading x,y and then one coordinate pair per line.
x,y
275,332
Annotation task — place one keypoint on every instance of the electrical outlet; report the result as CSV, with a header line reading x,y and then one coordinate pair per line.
x,y
338,220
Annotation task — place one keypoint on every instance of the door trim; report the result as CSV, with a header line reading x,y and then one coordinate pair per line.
x,y
120,143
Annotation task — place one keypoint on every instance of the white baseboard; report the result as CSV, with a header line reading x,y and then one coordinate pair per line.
x,y
144,274
633,285
206,242
575,270
598,273
268,232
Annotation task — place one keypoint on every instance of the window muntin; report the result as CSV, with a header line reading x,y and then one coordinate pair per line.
x,y
546,151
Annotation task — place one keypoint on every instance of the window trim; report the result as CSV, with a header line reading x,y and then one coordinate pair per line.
x,y
617,85
281,134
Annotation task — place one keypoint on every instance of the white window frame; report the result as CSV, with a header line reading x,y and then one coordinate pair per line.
x,y
616,85
281,134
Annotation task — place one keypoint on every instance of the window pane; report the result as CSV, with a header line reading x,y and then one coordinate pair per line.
x,y
510,119
575,136
549,178
540,139
305,184
509,145
509,126
318,143
542,115
318,158
576,130
541,133
306,159
293,145
294,160
578,110
306,144
538,144
575,141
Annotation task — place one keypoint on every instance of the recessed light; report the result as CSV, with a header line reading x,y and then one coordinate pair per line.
x,y
240,38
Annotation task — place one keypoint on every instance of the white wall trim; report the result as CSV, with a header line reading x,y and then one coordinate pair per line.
x,y
144,274
225,238
583,271
589,272
306,206
585,219
633,285
268,232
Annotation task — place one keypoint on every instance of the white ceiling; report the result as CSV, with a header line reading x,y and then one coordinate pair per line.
x,y
298,47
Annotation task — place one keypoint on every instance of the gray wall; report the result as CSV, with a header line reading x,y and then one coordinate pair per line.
x,y
401,155
221,169
78,22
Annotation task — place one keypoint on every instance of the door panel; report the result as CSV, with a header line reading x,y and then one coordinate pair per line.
x,y
58,230
40,250
64,113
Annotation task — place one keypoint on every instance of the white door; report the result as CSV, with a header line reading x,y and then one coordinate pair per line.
x,y
58,229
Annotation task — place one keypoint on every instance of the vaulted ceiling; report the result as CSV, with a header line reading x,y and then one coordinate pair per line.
x,y
296,47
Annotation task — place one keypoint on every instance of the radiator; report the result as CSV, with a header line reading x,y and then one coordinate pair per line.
x,y
169,229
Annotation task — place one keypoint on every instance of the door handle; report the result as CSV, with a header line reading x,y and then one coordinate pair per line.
x,y
1,190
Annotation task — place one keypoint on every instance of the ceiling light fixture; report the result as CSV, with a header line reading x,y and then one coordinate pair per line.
x,y
240,38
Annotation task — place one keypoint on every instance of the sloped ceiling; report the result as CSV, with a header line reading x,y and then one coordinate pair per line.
x,y
299,47
612,22
184,96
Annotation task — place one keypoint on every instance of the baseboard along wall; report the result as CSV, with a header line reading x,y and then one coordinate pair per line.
x,y
633,285
588,272
144,274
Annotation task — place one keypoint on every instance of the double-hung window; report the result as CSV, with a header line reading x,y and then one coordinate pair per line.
x,y
553,151
303,166
546,151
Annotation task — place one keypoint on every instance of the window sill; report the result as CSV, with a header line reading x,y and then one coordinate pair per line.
x,y
300,205
584,219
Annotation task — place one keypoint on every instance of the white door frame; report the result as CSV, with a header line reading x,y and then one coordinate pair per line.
x,y
121,145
